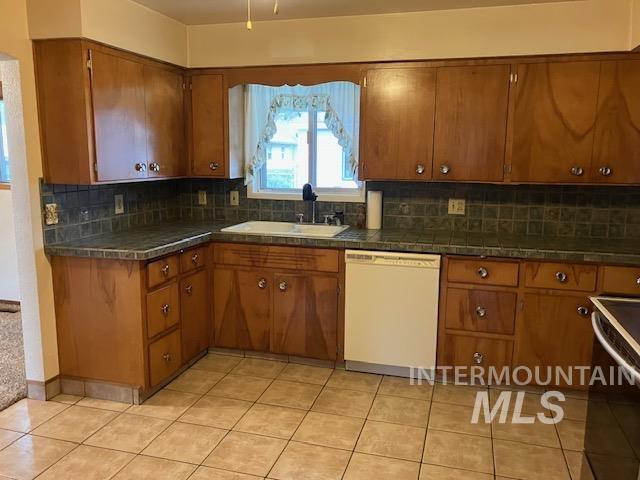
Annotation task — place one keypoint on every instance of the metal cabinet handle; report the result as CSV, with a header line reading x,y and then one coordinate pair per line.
x,y
638,281
605,171
262,283
189,289
165,309
141,167
154,167
577,171
583,311
478,358
444,169
420,169
165,270
195,258
214,165
283,286
167,357
561,277
481,312
483,272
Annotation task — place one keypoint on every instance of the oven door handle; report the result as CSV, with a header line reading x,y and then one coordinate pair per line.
x,y
620,360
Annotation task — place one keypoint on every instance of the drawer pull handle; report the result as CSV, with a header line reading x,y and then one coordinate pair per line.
x,y
154,167
165,270
214,165
577,171
141,167
445,169
167,357
638,281
561,277
483,272
262,283
165,309
189,289
478,358
481,312
605,171
420,169
583,311
283,286
195,259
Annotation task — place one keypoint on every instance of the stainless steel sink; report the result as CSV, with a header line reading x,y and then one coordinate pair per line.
x,y
286,229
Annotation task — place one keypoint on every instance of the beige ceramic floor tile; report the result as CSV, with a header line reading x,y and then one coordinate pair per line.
x,y
310,462
529,462
256,367
206,473
456,394
195,381
7,437
406,411
240,387
27,414
217,363
605,469
216,412
571,433
530,401
75,424
364,382
436,472
603,439
246,453
294,372
150,468
350,403
166,404
456,450
103,404
456,418
369,467
184,442
390,440
327,430
67,399
536,433
290,394
402,387
272,421
576,409
578,466
88,463
30,456
129,433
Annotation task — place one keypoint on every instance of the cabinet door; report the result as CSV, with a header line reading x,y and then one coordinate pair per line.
x,y
207,110
305,315
194,303
397,124
242,308
164,102
471,123
555,331
554,122
119,118
616,151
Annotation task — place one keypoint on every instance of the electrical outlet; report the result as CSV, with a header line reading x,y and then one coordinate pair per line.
x,y
457,206
202,197
234,198
51,214
119,201
84,215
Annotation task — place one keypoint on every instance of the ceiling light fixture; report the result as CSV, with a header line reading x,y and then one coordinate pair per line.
x,y
276,8
249,24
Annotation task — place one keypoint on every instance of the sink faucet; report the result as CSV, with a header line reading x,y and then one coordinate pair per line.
x,y
308,195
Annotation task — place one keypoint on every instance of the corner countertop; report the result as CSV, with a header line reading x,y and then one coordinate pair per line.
x,y
152,241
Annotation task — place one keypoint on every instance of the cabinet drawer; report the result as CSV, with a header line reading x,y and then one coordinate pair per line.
x,y
290,258
480,310
163,309
561,276
625,280
193,259
470,351
483,272
164,357
160,271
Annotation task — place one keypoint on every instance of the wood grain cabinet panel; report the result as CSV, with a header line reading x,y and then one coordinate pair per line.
x,y
483,272
397,124
620,280
471,123
164,357
163,309
194,310
242,308
161,271
305,316
471,351
480,310
207,130
554,121
561,276
616,148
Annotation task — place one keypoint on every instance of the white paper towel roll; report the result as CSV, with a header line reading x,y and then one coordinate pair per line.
x,y
374,210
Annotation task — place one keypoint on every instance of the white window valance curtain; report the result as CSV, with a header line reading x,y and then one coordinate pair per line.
x,y
339,100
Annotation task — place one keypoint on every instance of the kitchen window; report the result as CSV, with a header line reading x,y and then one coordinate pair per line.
x,y
297,135
5,176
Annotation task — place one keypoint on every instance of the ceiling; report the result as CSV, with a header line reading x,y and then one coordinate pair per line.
x,y
200,12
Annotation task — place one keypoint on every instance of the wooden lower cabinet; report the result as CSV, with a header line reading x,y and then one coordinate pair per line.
x,y
476,310
196,314
163,309
164,357
474,351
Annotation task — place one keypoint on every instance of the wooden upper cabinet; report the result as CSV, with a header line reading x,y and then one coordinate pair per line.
x,y
207,129
397,116
616,150
554,121
471,123
164,102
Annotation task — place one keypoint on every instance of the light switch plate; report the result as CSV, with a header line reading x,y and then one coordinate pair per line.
x,y
202,197
234,198
119,204
457,206
51,214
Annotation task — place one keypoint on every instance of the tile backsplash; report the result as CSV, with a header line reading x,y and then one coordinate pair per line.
x,y
566,211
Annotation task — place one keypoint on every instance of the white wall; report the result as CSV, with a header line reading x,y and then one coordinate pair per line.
x,y
9,289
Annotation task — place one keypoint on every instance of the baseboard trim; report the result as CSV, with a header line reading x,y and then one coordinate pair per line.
x,y
39,390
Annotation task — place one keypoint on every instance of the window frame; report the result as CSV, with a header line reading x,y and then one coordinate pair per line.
x,y
5,184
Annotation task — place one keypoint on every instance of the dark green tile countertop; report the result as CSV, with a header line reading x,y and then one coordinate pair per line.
x,y
153,241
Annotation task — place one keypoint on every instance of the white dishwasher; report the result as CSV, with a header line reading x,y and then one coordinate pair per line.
x,y
391,311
